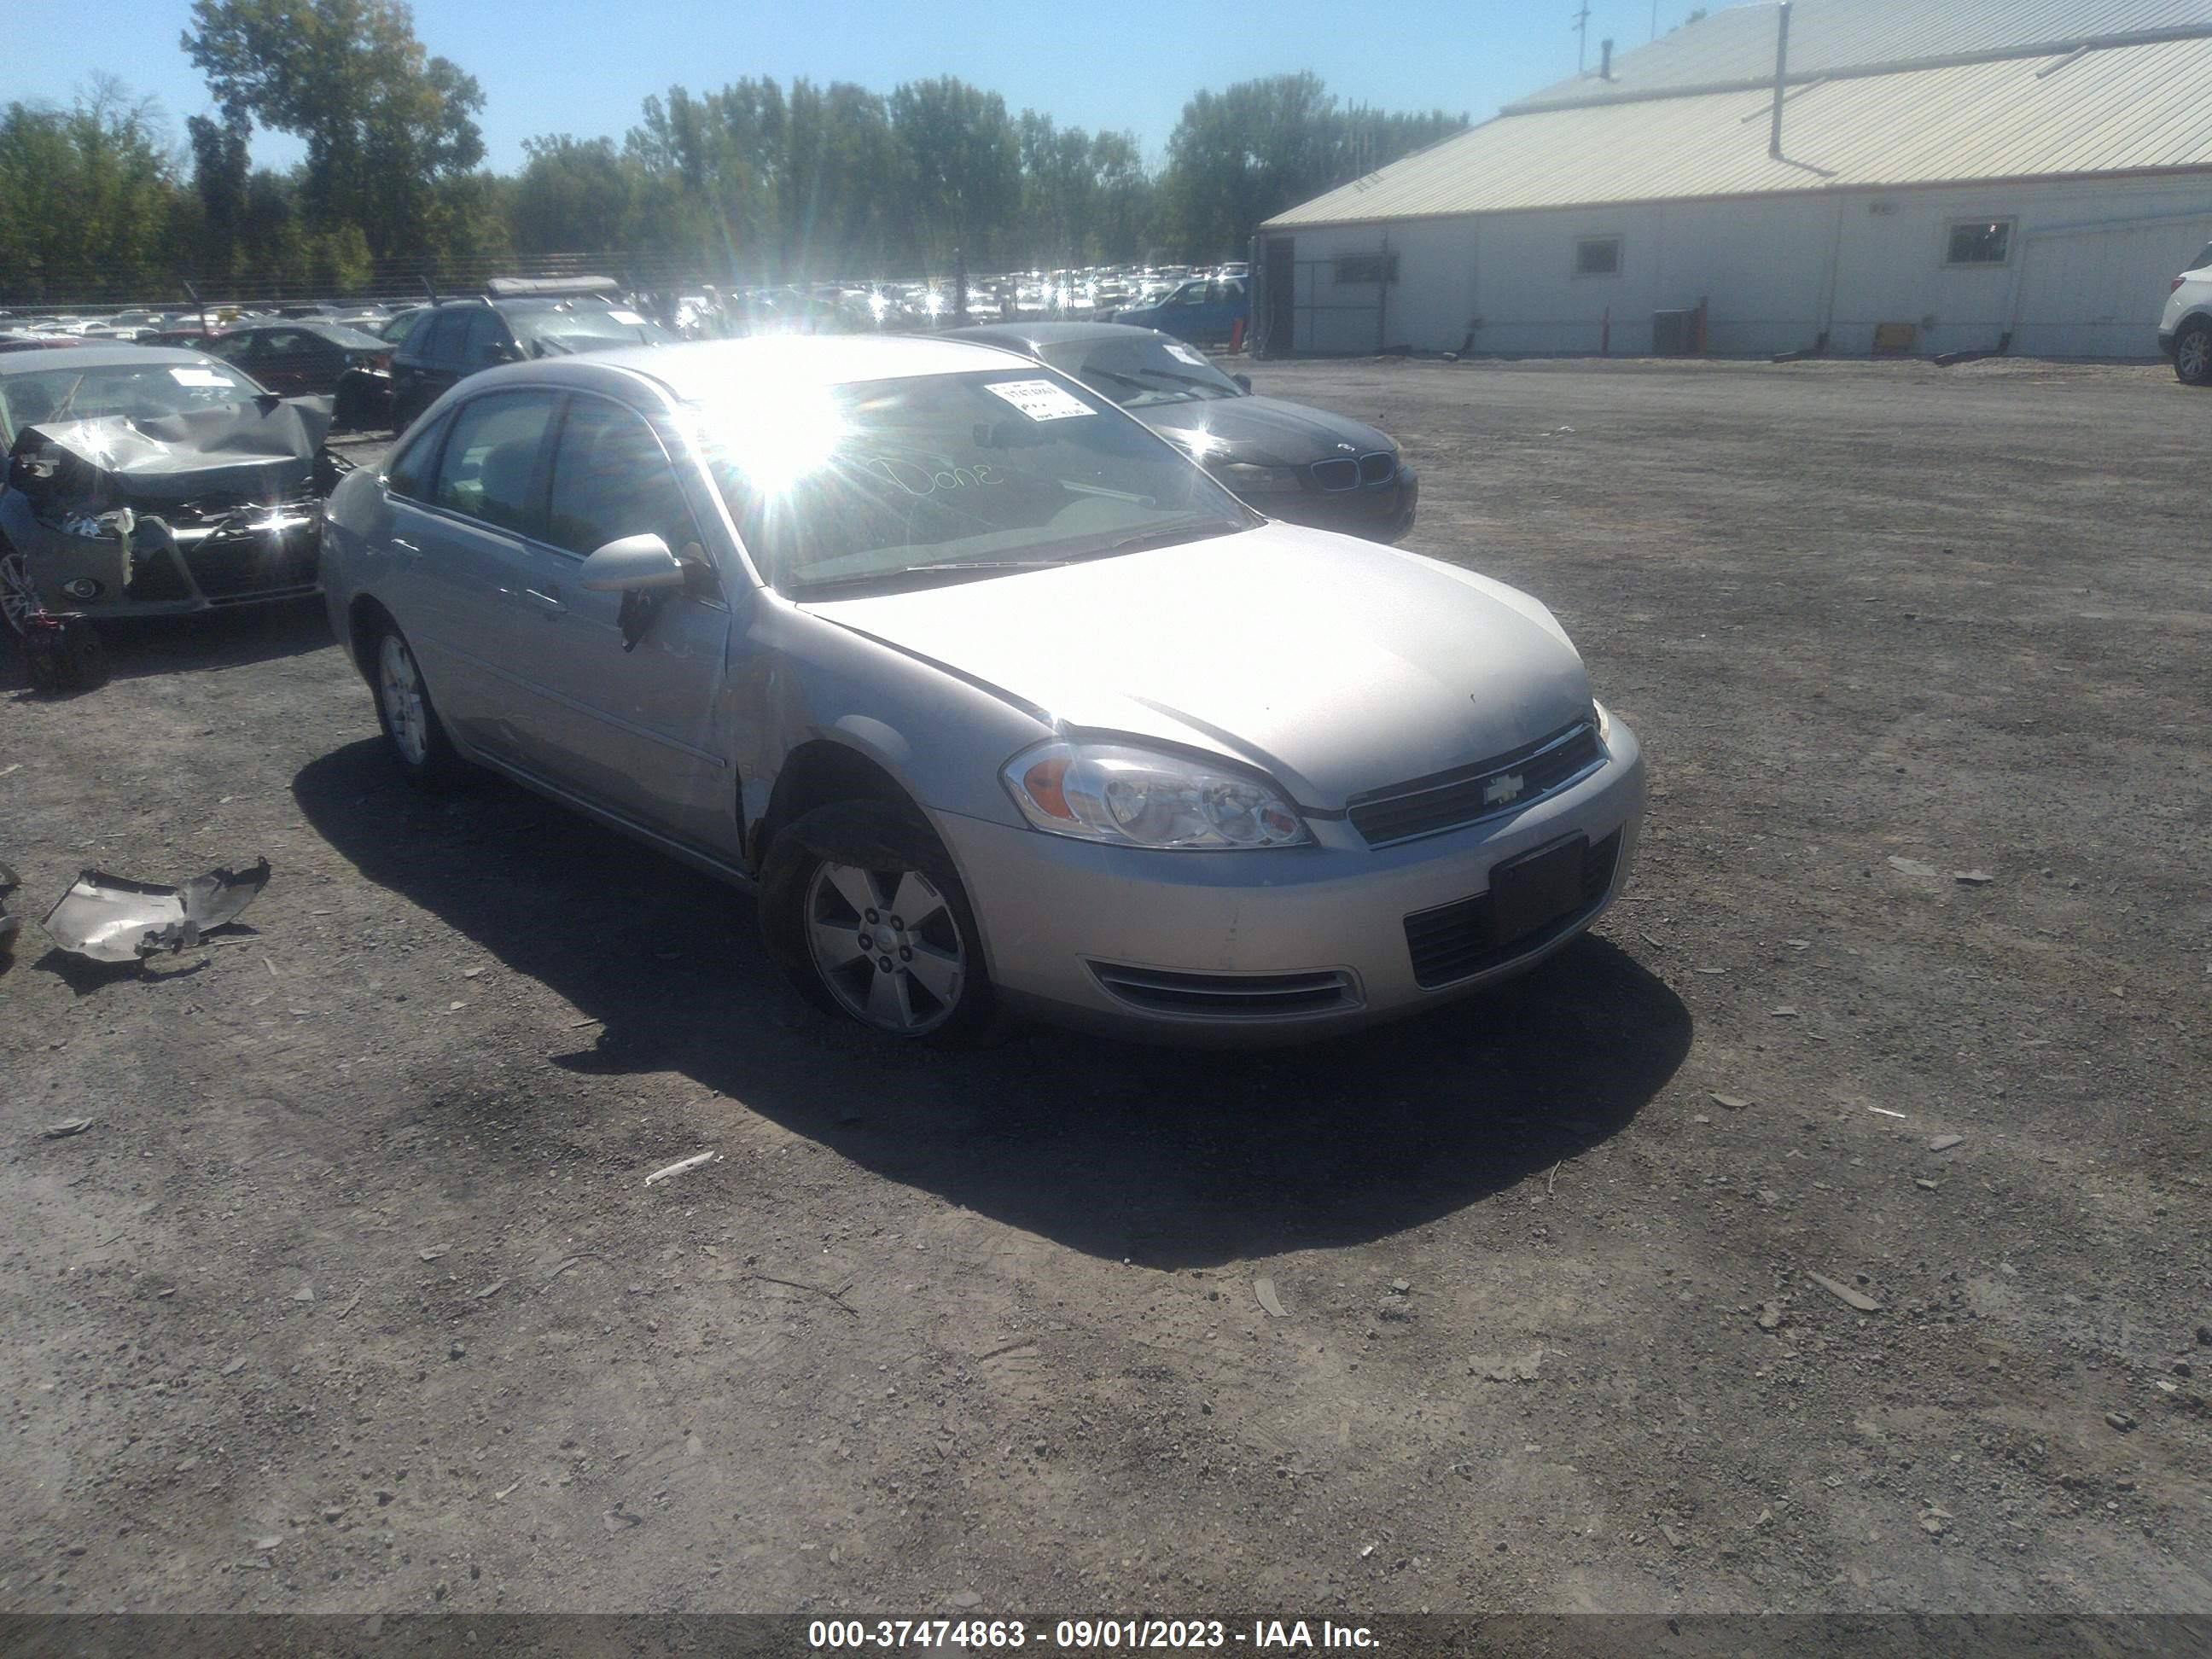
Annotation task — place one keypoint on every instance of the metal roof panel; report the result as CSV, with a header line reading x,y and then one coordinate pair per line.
x,y
2117,110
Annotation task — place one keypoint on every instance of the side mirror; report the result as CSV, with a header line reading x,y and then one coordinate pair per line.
x,y
1243,383
635,564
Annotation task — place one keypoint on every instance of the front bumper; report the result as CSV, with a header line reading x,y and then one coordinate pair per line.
x,y
157,570
1380,512
1266,947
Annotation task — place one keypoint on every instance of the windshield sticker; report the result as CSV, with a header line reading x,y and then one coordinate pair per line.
x,y
1040,400
201,377
1177,349
627,318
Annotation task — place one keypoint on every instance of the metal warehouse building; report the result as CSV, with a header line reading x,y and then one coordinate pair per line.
x,y
1968,175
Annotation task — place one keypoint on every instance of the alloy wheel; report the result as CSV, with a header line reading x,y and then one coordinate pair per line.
x,y
2192,356
406,711
17,599
886,946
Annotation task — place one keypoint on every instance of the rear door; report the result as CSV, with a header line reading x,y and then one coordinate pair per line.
x,y
640,726
459,574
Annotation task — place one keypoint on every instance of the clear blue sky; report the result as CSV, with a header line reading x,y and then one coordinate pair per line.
x,y
566,66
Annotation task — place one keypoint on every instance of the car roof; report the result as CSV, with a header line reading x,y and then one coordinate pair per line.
x,y
698,371
93,357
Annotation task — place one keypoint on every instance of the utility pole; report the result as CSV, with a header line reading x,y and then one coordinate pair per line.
x,y
1655,19
1582,38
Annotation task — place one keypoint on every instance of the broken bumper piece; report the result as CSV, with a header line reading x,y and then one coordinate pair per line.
x,y
110,919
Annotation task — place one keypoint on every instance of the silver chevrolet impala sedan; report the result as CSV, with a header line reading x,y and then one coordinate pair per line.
x,y
997,702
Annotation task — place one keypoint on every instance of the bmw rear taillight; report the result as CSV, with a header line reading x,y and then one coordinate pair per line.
x,y
2176,283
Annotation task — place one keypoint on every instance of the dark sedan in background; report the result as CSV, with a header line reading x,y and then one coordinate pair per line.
x,y
1291,461
307,357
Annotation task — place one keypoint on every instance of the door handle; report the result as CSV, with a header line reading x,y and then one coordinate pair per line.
x,y
547,603
406,549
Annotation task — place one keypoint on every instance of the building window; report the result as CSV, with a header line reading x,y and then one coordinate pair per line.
x,y
1366,268
1978,242
1597,256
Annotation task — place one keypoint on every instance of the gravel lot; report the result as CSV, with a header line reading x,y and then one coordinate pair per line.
x,y
351,1298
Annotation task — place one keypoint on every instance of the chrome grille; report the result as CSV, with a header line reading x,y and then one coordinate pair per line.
x,y
1447,800
1457,941
1342,473
1228,996
1378,468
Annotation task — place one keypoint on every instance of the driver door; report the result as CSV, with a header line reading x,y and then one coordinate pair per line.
x,y
643,725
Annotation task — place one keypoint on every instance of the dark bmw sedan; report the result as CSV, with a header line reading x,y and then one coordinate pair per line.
x,y
1291,461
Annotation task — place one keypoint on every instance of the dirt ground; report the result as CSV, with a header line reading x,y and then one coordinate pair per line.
x,y
352,1298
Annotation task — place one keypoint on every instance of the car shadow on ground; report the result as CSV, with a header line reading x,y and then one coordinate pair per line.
x,y
1173,1158
231,638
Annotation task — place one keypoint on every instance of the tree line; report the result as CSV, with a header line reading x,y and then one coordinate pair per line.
x,y
759,181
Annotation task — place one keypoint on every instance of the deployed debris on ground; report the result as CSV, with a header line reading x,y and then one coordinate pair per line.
x,y
111,919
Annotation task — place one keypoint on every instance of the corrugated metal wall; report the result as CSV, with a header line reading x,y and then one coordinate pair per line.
x,y
1775,273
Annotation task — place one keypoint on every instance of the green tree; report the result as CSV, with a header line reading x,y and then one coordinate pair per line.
x,y
1238,156
384,123
961,183
573,195
221,168
87,197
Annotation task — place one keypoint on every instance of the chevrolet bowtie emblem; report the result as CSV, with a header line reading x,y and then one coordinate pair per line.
x,y
1502,788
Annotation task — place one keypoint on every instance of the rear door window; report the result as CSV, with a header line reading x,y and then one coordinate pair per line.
x,y
492,463
448,328
486,333
612,478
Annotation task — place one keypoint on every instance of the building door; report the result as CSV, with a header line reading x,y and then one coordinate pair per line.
x,y
2096,291
1282,291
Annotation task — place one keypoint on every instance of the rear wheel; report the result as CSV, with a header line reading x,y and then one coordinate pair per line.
x,y
861,907
2192,354
411,726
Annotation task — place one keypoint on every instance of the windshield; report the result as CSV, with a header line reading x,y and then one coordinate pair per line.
x,y
351,339
145,392
1136,372
889,482
560,331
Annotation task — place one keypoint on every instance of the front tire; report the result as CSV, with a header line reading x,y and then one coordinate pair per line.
x,y
2192,354
412,730
861,907
18,599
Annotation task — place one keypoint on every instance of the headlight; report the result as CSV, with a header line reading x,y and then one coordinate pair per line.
x,y
1248,480
1604,722
1137,797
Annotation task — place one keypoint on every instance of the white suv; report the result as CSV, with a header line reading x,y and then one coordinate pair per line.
x,y
2185,333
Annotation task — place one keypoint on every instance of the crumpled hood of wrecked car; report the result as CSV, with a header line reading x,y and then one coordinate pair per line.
x,y
1336,665
260,448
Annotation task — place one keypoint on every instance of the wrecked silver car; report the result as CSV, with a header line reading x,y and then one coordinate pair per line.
x,y
145,481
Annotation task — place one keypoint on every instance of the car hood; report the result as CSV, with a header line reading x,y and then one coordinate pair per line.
x,y
1334,665
1261,431
264,450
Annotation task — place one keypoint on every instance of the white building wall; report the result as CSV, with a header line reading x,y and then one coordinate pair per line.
x,y
2086,273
